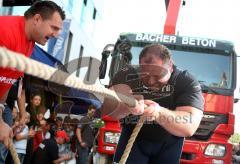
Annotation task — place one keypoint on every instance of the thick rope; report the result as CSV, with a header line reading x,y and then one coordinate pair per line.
x,y
131,140
13,153
21,63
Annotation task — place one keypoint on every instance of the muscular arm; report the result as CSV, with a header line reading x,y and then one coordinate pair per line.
x,y
182,122
112,107
189,102
79,137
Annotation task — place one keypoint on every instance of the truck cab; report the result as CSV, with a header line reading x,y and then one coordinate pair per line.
x,y
213,63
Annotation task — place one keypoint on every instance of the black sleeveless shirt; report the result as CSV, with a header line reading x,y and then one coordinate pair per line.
x,y
182,89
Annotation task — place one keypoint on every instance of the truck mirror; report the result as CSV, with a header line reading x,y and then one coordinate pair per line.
x,y
103,68
105,54
236,100
103,65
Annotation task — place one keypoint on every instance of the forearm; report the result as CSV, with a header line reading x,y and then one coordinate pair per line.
x,y
1,111
21,104
112,107
178,123
59,160
2,102
21,137
78,133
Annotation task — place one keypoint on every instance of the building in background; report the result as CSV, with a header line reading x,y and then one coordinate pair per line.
x,y
78,45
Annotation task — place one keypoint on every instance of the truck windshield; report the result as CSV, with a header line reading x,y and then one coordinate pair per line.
x,y
211,69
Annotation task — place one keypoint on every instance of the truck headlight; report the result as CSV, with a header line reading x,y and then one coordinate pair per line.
x,y
111,137
215,150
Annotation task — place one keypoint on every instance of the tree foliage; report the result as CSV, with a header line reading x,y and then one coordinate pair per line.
x,y
235,138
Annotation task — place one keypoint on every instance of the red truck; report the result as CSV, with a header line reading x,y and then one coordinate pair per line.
x,y
212,62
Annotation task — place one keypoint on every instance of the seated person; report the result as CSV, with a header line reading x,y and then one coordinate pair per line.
x,y
47,151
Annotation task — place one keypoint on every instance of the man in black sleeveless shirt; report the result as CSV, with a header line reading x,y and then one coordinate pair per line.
x,y
171,102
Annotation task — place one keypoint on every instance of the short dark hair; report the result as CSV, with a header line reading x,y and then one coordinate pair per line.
x,y
59,119
91,107
45,9
158,50
67,119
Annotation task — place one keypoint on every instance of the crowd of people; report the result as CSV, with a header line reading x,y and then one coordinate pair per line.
x,y
54,139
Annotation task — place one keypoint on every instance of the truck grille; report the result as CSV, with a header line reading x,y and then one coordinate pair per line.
x,y
208,124
188,156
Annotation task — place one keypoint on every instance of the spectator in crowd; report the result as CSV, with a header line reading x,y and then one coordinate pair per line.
x,y
40,117
73,126
41,134
15,114
66,123
36,116
72,129
16,128
36,125
47,151
46,129
53,116
66,126
85,136
236,154
50,125
35,102
59,123
20,142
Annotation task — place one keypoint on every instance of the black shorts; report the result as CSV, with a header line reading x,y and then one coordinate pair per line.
x,y
148,152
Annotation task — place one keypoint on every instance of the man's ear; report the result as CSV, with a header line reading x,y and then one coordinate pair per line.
x,y
36,19
171,65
